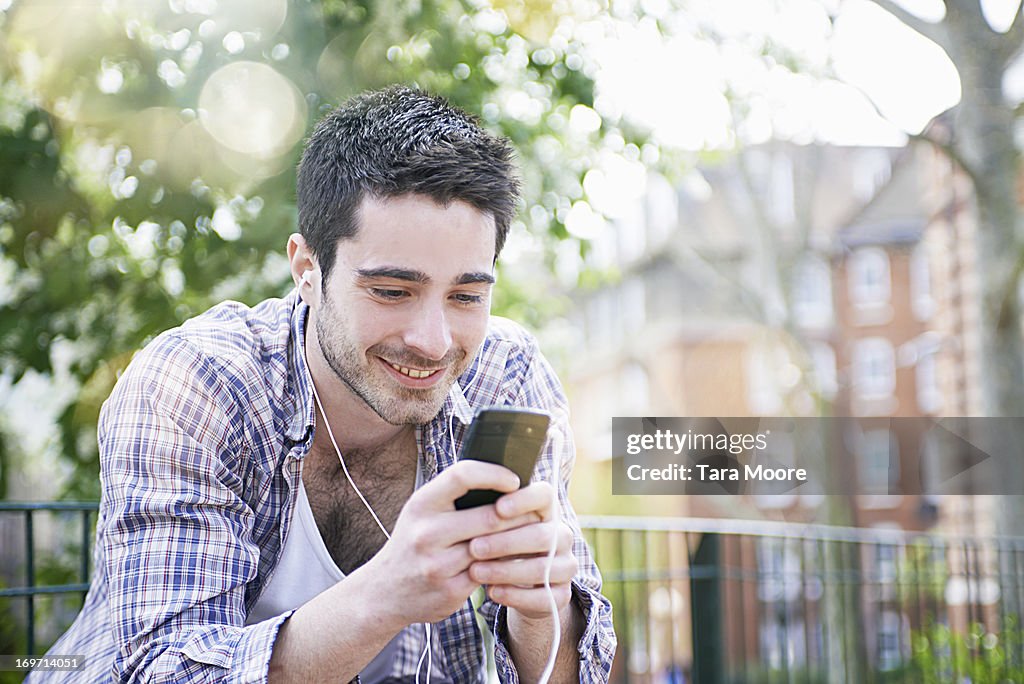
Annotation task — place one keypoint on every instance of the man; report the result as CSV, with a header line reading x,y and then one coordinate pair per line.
x,y
278,482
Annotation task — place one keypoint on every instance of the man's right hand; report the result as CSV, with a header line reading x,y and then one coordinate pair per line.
x,y
423,570
420,575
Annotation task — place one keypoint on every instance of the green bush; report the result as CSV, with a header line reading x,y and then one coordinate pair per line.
x,y
979,656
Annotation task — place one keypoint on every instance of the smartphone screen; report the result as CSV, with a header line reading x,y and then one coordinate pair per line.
x,y
512,437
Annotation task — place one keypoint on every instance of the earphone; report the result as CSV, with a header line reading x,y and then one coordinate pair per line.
x,y
307,278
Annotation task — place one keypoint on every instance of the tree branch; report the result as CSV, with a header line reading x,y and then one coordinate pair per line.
x,y
926,29
1014,37
946,147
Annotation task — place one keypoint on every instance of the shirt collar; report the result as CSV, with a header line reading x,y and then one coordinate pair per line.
x,y
300,427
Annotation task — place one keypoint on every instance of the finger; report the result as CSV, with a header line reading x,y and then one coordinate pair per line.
x,y
481,521
533,602
524,572
450,563
463,476
522,541
536,496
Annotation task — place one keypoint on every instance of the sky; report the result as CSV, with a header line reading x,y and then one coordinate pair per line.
x,y
864,79
889,80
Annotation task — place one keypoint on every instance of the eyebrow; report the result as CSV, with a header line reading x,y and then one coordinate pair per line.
x,y
393,273
414,276
470,278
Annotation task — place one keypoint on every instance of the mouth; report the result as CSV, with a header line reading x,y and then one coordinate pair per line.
x,y
413,377
413,372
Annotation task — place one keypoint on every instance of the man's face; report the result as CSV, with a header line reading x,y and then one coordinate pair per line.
x,y
406,304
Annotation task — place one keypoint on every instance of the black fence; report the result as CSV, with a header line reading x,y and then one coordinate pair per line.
x,y
715,601
709,601
55,575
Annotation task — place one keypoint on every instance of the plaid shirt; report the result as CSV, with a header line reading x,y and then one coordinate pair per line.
x,y
201,449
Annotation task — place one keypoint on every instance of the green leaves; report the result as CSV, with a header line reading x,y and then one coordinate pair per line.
x,y
144,176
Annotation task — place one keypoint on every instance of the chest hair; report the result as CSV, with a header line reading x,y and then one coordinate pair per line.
x,y
386,477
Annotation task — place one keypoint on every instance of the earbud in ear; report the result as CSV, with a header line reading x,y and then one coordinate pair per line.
x,y
307,278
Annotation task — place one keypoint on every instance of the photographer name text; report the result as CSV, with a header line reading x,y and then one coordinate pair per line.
x,y
702,472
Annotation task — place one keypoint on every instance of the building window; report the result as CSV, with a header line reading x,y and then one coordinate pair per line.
x,y
879,463
812,293
874,368
780,586
780,570
869,280
885,563
929,397
824,362
888,557
783,642
921,300
892,640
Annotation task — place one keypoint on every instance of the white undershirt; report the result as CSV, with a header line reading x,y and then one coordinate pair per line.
x,y
306,569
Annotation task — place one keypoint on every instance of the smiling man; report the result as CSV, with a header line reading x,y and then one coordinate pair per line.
x,y
279,481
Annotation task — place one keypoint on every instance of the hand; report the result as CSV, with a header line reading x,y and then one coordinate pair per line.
x,y
424,567
511,562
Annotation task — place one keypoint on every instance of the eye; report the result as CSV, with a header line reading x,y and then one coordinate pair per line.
x,y
468,298
387,293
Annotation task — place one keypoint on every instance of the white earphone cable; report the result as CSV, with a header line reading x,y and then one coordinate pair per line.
x,y
344,468
556,635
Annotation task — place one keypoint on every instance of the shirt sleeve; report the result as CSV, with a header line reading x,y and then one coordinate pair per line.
x,y
176,531
541,389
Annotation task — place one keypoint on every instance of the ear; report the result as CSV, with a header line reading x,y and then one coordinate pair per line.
x,y
305,272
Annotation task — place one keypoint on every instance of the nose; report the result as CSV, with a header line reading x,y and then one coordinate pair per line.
x,y
429,333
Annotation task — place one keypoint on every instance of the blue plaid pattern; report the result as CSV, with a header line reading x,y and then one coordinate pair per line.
x,y
201,444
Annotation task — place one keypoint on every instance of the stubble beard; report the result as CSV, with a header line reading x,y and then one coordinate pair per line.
x,y
393,403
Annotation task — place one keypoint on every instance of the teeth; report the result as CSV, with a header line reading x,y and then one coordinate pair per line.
x,y
412,372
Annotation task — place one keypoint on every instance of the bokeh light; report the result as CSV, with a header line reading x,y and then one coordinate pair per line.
x,y
250,108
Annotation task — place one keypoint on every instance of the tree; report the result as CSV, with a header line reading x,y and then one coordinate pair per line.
x,y
982,142
138,184
984,146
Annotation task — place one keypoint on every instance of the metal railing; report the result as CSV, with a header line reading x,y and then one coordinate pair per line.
x,y
722,601
30,590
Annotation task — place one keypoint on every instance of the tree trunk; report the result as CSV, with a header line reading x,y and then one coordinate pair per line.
x,y
984,141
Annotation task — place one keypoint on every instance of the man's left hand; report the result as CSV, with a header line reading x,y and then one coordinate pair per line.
x,y
512,563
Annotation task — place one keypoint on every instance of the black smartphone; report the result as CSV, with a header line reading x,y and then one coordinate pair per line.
x,y
512,437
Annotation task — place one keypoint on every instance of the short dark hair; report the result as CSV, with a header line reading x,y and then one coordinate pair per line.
x,y
394,142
